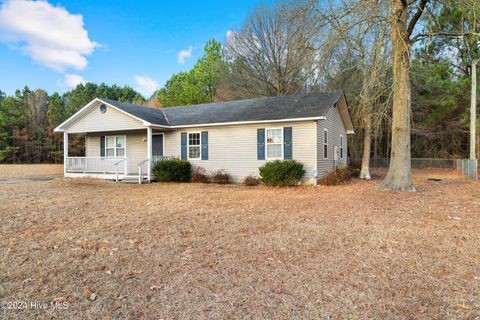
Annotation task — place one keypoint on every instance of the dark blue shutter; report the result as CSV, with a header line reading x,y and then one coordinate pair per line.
x,y
287,143
183,145
261,144
102,146
204,145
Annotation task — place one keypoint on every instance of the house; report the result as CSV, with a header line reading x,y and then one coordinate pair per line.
x,y
124,140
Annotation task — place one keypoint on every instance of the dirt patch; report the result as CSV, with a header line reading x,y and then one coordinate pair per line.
x,y
208,251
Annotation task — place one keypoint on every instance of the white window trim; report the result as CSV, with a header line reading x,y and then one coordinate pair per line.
x,y
341,146
266,144
115,146
188,145
325,143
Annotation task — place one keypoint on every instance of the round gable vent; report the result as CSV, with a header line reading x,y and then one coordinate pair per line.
x,y
103,108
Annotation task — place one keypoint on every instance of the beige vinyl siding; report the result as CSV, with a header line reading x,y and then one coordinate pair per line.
x,y
335,127
112,119
234,148
136,148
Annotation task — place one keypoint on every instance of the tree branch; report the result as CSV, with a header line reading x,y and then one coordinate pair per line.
x,y
415,18
421,36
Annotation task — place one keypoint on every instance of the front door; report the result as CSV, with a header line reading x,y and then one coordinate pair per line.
x,y
157,146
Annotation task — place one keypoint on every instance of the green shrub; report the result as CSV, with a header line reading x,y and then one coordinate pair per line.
x,y
199,175
172,170
251,181
221,177
339,176
282,172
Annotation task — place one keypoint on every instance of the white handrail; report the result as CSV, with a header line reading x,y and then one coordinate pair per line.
x,y
140,171
116,167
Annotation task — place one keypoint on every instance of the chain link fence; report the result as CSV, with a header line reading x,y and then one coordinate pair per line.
x,y
468,167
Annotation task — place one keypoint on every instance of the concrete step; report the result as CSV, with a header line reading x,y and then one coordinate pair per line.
x,y
131,179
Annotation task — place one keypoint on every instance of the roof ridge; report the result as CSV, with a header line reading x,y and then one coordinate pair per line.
x,y
165,115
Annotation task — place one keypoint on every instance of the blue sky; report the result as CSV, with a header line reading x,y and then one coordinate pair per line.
x,y
135,43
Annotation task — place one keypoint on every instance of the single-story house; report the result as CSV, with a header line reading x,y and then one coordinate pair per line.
x,y
123,140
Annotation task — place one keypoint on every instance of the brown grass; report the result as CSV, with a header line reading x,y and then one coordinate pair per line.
x,y
189,251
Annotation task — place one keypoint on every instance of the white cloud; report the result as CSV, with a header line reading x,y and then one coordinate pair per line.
x,y
184,55
145,85
50,35
72,80
229,35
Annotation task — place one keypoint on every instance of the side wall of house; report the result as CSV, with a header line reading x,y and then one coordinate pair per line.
x,y
136,148
335,128
234,148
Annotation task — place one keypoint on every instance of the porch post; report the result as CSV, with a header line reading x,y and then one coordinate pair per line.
x,y
149,153
65,152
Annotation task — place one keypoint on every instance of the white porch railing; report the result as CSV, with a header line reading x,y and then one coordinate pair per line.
x,y
158,158
142,170
96,165
143,167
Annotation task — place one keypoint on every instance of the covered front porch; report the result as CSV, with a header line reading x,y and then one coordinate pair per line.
x,y
120,155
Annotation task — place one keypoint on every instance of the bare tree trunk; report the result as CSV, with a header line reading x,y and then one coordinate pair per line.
x,y
399,176
367,140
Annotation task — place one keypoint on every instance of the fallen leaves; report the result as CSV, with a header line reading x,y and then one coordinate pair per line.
x,y
208,251
92,296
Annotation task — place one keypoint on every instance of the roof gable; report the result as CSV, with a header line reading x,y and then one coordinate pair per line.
x,y
92,119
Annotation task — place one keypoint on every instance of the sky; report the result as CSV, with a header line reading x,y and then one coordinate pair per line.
x,y
54,45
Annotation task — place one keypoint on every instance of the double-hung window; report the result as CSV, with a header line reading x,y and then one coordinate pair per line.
x,y
341,147
325,143
274,143
115,146
194,146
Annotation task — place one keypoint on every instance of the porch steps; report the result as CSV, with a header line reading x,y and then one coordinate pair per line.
x,y
131,179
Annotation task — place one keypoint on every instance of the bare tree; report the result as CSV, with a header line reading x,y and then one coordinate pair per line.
x,y
359,31
274,53
403,19
36,103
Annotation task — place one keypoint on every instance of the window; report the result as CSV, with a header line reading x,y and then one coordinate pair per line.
x,y
341,147
115,146
325,143
274,143
194,146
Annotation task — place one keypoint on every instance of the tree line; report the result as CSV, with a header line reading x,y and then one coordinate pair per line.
x,y
27,120
403,65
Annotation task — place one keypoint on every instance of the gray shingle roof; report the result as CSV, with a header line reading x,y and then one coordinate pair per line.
x,y
154,116
260,109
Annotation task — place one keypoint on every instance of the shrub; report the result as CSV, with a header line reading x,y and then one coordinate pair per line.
x,y
355,166
251,181
282,172
199,175
172,170
355,172
339,176
221,177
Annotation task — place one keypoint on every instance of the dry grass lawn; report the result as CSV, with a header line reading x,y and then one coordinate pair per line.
x,y
189,251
